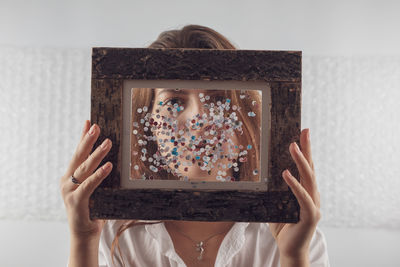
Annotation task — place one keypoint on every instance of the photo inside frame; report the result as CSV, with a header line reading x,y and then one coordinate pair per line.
x,y
211,135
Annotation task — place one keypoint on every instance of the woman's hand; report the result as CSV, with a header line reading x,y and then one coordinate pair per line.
x,y
76,197
293,240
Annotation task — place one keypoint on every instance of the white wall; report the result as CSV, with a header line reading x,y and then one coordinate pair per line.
x,y
316,27
351,72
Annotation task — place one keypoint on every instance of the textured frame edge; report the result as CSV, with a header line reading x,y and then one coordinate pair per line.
x,y
109,201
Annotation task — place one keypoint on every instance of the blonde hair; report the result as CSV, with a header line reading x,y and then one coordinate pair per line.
x,y
201,37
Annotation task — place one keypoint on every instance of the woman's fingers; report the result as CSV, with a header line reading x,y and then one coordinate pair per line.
x,y
93,181
302,160
305,145
88,140
309,211
85,146
92,162
85,130
84,164
304,168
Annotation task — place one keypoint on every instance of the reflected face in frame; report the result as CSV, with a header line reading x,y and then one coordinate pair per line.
x,y
197,133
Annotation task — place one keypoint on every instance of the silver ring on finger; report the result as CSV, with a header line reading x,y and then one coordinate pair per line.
x,y
74,180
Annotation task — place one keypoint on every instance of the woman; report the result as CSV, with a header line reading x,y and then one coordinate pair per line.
x,y
189,243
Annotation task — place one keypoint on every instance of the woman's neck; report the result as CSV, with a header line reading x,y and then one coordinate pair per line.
x,y
199,230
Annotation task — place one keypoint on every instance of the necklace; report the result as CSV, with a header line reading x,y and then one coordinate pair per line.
x,y
199,244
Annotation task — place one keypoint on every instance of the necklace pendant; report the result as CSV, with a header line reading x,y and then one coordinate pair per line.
x,y
199,247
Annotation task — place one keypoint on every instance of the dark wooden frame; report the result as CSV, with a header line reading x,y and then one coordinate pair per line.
x,y
281,69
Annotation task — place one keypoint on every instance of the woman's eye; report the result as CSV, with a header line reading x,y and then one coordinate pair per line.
x,y
173,101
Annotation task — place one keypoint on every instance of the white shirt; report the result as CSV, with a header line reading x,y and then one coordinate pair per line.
x,y
246,244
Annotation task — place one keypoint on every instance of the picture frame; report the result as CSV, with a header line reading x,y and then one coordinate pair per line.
x,y
278,73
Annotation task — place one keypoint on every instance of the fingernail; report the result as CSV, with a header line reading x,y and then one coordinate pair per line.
x,y
91,131
286,173
105,144
296,147
308,135
107,166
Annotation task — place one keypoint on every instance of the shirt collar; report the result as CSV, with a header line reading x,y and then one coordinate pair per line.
x,y
160,234
231,244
